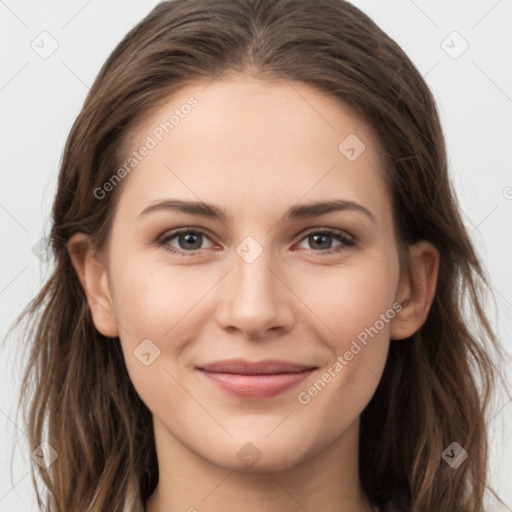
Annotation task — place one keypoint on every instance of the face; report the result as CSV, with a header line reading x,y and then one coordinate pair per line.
x,y
258,275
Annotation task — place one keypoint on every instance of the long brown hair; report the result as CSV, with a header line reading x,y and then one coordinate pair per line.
x,y
436,386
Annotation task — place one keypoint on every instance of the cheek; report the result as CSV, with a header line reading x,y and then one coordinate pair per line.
x,y
155,305
151,297
152,306
357,308
354,299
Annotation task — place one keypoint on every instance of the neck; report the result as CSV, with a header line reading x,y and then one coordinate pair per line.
x,y
327,481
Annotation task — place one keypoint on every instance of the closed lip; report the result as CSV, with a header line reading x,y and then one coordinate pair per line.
x,y
244,367
255,380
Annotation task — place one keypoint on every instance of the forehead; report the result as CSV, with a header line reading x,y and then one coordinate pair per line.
x,y
275,142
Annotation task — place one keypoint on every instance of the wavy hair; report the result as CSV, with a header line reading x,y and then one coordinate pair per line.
x,y
436,386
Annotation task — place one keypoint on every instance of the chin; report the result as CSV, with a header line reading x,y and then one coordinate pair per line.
x,y
259,456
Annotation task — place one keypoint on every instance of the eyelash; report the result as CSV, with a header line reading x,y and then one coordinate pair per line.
x,y
346,241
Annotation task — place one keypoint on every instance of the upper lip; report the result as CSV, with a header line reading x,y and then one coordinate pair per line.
x,y
243,367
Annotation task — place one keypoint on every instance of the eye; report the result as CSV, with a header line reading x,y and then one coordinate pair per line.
x,y
322,239
188,240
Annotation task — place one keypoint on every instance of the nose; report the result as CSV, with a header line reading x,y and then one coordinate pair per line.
x,y
256,299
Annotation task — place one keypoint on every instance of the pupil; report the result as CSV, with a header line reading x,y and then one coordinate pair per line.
x,y
189,238
320,237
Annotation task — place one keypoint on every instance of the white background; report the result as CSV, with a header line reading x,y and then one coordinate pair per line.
x,y
40,98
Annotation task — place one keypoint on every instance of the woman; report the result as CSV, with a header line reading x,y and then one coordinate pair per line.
x,y
309,349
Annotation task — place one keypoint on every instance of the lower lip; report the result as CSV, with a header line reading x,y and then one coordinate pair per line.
x,y
256,386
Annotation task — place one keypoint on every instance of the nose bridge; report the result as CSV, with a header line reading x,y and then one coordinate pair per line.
x,y
255,300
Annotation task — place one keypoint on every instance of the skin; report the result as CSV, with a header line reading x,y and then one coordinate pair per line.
x,y
277,144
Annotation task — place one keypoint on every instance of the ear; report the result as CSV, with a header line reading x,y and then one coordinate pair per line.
x,y
416,290
92,272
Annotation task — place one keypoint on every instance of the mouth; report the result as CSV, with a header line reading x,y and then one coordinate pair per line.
x,y
256,380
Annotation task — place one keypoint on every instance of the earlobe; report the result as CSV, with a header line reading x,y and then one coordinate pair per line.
x,y
93,276
416,290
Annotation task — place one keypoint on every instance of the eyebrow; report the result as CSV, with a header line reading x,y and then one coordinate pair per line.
x,y
295,212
